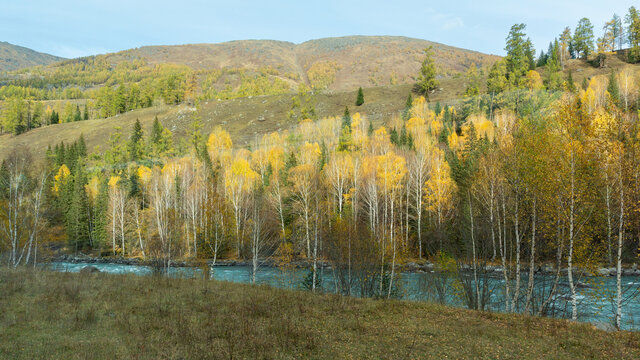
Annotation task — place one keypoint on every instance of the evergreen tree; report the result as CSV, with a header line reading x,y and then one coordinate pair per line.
x,y
406,113
85,115
633,34
81,147
393,137
135,146
78,212
370,129
133,184
542,59
554,78
583,38
402,140
473,81
324,153
427,78
156,131
4,180
438,108
100,213
360,98
530,53
346,118
518,59
613,89
344,142
571,86
618,31
497,80
77,116
55,118
155,138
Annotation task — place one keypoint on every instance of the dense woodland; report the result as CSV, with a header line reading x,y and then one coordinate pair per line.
x,y
536,171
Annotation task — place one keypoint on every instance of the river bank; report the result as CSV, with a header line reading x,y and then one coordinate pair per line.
x,y
409,267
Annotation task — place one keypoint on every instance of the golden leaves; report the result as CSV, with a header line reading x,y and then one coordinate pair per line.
x,y
60,178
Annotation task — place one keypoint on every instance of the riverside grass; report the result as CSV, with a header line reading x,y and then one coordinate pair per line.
x,y
49,315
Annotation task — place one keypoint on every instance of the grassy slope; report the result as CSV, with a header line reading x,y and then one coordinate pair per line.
x,y
362,60
79,316
13,57
243,118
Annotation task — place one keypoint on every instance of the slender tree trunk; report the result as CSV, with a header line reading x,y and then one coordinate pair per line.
x,y
502,243
473,247
516,294
574,300
609,230
532,258
619,257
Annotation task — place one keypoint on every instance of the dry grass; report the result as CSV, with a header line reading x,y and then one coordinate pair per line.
x,y
78,316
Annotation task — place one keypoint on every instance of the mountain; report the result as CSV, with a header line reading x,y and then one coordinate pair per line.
x,y
14,57
334,64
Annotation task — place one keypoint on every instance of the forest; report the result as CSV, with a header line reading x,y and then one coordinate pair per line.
x,y
535,172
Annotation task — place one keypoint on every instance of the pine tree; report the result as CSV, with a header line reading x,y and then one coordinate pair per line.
x,y
360,98
77,116
135,146
393,136
156,137
4,180
438,108
346,118
134,185
633,34
518,59
613,89
571,86
55,118
542,59
530,53
370,129
427,78
344,142
403,136
100,222
583,38
78,212
324,153
406,113
86,112
81,147
497,80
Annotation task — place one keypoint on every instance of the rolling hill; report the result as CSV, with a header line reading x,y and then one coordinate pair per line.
x,y
333,64
14,57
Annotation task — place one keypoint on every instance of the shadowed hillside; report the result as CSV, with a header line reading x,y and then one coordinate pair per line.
x,y
13,57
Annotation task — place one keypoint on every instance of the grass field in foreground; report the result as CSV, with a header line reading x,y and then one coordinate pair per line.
x,y
47,315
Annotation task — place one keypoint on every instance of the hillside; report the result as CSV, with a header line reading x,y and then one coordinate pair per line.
x,y
14,57
334,64
243,118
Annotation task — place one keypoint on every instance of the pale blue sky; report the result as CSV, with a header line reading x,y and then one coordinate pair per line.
x,y
72,28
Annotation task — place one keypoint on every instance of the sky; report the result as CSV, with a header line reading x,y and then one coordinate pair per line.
x,y
72,28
